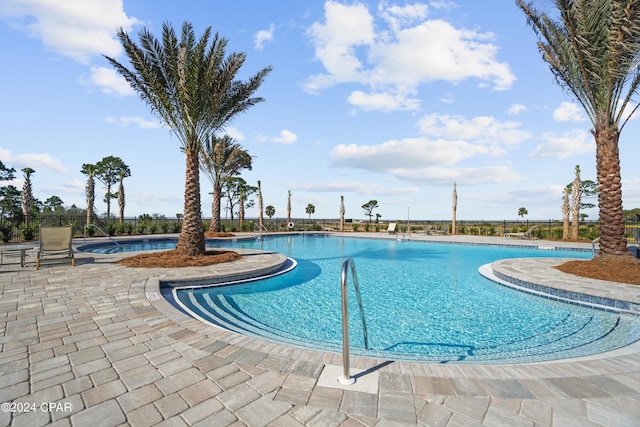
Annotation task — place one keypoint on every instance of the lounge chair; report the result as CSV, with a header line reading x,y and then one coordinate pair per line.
x,y
427,229
439,232
55,242
392,228
523,234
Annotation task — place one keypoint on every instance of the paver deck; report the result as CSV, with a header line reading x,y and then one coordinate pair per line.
x,y
96,345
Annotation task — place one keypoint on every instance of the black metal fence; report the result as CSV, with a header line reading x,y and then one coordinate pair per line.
x,y
550,229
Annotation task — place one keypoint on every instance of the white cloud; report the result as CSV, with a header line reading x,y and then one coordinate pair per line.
x,y
77,29
481,129
354,48
564,145
569,112
262,37
109,81
234,133
383,101
358,187
31,160
139,121
286,137
516,109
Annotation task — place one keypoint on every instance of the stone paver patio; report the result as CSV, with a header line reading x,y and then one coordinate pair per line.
x,y
96,345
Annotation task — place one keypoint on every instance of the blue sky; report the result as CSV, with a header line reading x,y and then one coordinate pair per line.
x,y
392,101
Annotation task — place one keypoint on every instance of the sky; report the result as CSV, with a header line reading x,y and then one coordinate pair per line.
x,y
370,100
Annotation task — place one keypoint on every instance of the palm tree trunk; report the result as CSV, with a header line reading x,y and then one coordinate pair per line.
x,y
566,210
214,225
613,241
191,240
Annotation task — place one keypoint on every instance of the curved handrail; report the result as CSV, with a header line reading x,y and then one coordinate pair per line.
x,y
349,264
593,244
99,229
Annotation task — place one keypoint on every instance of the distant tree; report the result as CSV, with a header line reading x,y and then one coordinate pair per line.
x,y
6,174
53,204
221,159
342,212
236,190
244,202
522,212
191,84
90,189
27,196
310,210
108,172
633,214
369,207
10,203
270,211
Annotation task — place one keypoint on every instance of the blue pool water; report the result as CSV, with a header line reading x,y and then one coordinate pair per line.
x,y
422,301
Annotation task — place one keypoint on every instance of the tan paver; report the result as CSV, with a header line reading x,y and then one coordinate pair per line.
x,y
96,338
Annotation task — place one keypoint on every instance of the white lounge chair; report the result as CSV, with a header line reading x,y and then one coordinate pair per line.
x,y
392,228
55,242
523,234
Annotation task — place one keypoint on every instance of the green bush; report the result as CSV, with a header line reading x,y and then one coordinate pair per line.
x,y
28,232
153,227
6,230
176,227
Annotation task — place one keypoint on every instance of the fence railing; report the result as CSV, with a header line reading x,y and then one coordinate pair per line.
x,y
549,229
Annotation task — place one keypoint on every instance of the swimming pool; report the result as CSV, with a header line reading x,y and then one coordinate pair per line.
x,y
423,301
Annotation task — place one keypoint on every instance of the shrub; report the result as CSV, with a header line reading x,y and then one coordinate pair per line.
x,y
176,227
354,227
153,227
6,230
28,232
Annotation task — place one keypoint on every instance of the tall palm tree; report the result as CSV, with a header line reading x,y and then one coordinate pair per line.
x,y
192,87
566,210
310,210
593,53
576,202
27,196
89,189
121,200
342,212
288,207
260,203
221,159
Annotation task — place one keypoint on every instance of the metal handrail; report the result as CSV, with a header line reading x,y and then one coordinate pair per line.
x,y
99,229
349,264
593,244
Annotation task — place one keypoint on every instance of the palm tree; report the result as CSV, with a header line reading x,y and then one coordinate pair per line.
x,y
221,159
576,202
192,87
89,189
310,210
289,207
121,200
260,205
593,53
522,212
342,212
270,211
27,196
566,210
